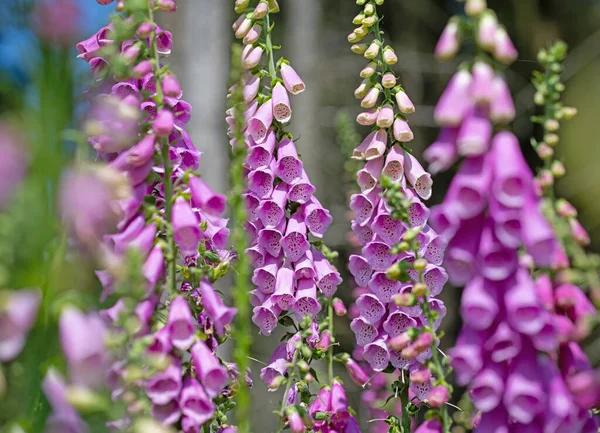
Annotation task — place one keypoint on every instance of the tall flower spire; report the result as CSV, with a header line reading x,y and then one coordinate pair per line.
x,y
398,269
517,347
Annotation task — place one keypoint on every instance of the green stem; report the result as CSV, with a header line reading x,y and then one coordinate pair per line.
x,y
331,333
405,402
166,160
269,42
241,332
288,386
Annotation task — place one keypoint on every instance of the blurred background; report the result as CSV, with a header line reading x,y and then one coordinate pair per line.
x,y
313,37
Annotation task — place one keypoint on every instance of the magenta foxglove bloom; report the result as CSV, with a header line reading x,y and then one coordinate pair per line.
x,y
18,314
181,324
210,371
220,314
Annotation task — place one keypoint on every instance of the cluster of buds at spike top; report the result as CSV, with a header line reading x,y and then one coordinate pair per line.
x,y
397,272
290,272
168,215
508,348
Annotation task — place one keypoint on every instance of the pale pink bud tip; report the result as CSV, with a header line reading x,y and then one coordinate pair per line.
x,y
291,80
449,42
164,123
438,396
339,308
579,233
171,87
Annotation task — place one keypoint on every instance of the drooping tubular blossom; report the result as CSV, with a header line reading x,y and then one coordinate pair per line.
x,y
18,313
170,220
289,273
516,352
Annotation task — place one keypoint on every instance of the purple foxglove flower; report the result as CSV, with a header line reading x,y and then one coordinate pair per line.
x,y
488,387
304,267
523,309
195,403
260,181
474,134
363,205
394,164
442,154
339,406
306,303
220,315
379,255
385,118
259,124
64,417
293,83
316,218
251,88
359,151
402,131
181,324
506,224
495,421
390,230
171,87
584,387
436,246
538,236
186,227
430,426
360,269
328,278
469,188
455,101
82,342
289,167
189,425
356,373
282,110
512,182
368,118
462,250
209,370
496,262
504,344
284,288
18,313
363,233
449,42
167,414
377,146
504,50
398,322
417,176
370,174
370,99
142,152
502,107
479,305
365,333
165,386
270,239
265,316
524,395
466,355
295,420
204,198
383,287
260,155
162,342
264,277
481,87
164,123
277,367
438,396
322,403
301,190
253,57
370,308
272,210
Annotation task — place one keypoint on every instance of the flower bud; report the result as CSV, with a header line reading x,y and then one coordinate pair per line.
x,y
164,123
579,233
420,375
551,139
167,5
551,125
370,100
273,6
131,53
303,366
253,35
339,308
361,31
405,299
260,11
388,80
368,118
145,30
526,261
142,69
369,70
409,352
558,169
276,382
539,98
419,289
353,38
449,42
438,396
244,28
405,105
423,342
569,112
362,90
357,374
486,34
85,400
399,342
386,116
369,9
475,8
369,21
504,50
241,5
359,48
544,151
389,56
358,19
545,178
171,87
373,50
309,378
565,209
